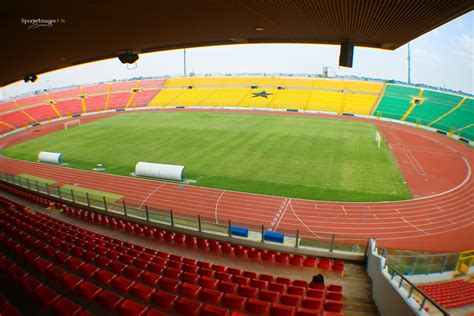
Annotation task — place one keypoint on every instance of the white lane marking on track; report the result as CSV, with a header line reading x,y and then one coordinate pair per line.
x,y
149,195
468,176
414,226
294,213
281,214
217,205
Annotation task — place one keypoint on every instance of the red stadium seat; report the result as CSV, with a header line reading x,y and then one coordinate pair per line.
x,y
131,308
141,291
227,287
188,289
209,283
233,301
289,299
269,296
185,306
210,310
150,278
88,290
247,291
258,307
70,281
108,299
163,299
63,306
121,284
210,296
281,310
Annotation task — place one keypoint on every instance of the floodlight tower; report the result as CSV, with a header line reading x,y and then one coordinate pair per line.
x,y
408,63
184,61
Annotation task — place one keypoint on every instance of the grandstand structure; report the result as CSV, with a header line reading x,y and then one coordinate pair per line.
x,y
70,254
174,288
446,112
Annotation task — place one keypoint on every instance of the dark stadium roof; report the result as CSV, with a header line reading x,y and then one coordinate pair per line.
x,y
92,30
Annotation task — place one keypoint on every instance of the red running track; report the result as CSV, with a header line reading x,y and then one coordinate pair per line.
x,y
436,168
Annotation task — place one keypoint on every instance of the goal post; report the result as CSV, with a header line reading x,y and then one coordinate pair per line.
x,y
72,123
378,138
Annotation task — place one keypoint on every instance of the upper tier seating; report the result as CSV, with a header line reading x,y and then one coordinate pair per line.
x,y
33,100
441,110
458,119
445,111
5,128
104,273
396,101
434,105
273,83
65,94
450,294
69,107
17,119
41,113
96,103
310,100
7,106
118,100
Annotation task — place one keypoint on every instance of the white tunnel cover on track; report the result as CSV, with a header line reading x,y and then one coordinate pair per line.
x,y
158,170
45,156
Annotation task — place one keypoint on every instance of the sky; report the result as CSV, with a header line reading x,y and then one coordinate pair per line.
x,y
442,58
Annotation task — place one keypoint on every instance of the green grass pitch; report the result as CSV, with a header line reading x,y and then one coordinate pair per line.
x,y
326,159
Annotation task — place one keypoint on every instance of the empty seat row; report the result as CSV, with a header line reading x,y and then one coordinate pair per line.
x,y
189,240
450,294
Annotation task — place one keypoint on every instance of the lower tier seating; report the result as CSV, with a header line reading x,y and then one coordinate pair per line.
x,y
450,294
73,271
184,240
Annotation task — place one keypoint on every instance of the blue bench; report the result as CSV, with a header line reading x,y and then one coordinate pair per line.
x,y
273,236
239,231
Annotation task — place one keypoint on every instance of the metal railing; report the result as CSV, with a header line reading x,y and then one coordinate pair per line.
x,y
413,291
343,246
418,264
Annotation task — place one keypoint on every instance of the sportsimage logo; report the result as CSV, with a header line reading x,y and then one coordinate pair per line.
x,y
37,23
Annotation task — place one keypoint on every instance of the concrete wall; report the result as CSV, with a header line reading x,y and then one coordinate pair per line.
x,y
389,298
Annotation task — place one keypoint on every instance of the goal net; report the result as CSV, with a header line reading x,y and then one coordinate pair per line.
x,y
72,123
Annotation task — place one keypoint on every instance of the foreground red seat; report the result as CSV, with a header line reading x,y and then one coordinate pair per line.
x,y
188,289
186,306
63,306
281,310
131,308
108,299
88,290
233,301
257,307
163,299
210,310
46,296
141,291
210,296
104,277
121,284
